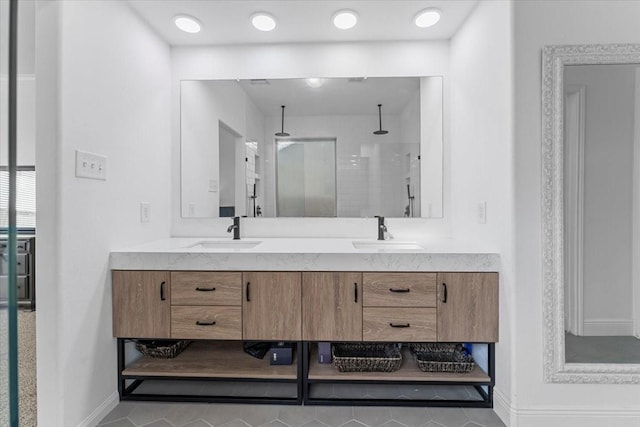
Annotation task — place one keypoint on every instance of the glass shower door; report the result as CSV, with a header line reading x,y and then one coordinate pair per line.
x,y
8,261
306,177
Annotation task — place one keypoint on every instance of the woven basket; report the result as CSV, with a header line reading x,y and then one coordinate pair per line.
x,y
435,347
164,349
458,362
366,357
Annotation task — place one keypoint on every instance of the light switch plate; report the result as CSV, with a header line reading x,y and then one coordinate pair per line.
x,y
213,185
92,166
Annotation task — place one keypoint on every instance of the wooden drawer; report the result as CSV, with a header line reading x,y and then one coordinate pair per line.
x,y
399,324
224,323
399,289
206,288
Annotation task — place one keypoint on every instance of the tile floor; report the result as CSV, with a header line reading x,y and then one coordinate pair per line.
x,y
133,414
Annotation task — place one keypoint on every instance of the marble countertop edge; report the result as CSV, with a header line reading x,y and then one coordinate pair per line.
x,y
302,254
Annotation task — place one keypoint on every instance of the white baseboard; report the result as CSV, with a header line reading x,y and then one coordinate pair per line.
x,y
608,327
502,408
569,417
101,411
577,418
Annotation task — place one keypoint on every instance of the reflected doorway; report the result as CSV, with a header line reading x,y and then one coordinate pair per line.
x,y
602,213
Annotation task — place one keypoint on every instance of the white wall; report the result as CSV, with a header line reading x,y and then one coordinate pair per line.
x,y
536,24
228,162
608,198
481,160
432,144
297,61
204,106
103,82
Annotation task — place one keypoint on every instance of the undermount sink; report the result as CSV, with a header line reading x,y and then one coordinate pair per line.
x,y
226,244
386,244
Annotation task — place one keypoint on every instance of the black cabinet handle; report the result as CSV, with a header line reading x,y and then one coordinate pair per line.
x,y
211,323
355,291
444,293
399,325
399,290
199,289
162,298
247,292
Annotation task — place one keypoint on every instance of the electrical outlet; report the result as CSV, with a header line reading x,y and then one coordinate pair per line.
x,y
92,166
482,212
145,212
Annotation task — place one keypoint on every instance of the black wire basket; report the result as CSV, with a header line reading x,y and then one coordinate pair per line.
x,y
364,357
164,349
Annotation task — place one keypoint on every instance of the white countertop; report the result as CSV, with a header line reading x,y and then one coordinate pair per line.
x,y
305,254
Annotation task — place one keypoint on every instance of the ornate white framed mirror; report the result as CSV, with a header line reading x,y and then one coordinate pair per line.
x,y
591,213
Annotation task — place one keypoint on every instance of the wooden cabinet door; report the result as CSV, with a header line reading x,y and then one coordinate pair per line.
x,y
141,304
271,306
467,307
331,306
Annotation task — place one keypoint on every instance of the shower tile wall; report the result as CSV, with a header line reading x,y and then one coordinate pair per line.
x,y
374,183
353,186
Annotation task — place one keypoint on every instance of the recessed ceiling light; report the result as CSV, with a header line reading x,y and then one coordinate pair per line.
x,y
315,82
187,23
263,21
427,18
345,19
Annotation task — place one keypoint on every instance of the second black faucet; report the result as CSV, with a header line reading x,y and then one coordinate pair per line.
x,y
235,227
381,227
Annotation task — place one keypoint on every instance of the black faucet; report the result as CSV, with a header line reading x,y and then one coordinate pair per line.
x,y
235,227
381,227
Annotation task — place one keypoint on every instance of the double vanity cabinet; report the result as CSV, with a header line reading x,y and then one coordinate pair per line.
x,y
219,310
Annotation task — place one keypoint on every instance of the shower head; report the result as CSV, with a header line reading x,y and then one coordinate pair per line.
x,y
282,132
380,131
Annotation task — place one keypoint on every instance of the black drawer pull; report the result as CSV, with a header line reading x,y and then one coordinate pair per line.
x,y
211,323
399,290
399,325
199,289
444,293
355,291
248,294
162,298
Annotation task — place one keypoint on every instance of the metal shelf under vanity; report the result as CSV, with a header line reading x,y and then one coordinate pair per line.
x,y
408,386
208,371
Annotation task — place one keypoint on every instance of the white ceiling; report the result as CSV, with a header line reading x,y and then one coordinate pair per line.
x,y
336,97
300,21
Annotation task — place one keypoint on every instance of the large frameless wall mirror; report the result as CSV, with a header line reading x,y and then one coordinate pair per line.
x,y
330,147
591,213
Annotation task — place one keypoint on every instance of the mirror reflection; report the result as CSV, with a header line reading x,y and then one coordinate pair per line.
x,y
351,147
602,213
